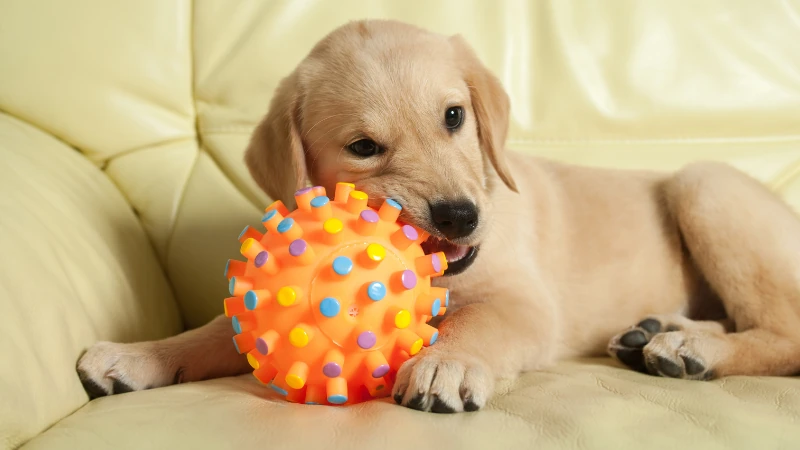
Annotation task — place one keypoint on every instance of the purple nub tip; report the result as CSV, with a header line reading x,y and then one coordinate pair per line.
x,y
410,233
380,371
331,370
369,215
437,265
261,346
302,191
367,340
298,247
409,279
261,258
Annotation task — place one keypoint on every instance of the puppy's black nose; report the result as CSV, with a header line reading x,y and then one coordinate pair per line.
x,y
455,219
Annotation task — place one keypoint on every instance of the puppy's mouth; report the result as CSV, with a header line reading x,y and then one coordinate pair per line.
x,y
459,257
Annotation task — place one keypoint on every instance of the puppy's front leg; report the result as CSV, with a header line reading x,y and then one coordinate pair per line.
x,y
206,352
478,344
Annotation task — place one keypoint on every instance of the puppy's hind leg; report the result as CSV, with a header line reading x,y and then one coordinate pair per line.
x,y
746,243
207,352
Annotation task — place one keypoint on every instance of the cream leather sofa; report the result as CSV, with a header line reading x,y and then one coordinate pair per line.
x,y
122,188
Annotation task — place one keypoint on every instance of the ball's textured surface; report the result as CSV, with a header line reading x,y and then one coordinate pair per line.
x,y
334,297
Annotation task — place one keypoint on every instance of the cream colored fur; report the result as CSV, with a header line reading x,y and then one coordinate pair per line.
x,y
571,258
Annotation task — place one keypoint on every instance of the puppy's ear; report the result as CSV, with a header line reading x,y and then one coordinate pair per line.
x,y
491,106
275,155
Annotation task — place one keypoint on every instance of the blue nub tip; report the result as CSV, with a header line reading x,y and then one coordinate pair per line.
x,y
250,300
394,204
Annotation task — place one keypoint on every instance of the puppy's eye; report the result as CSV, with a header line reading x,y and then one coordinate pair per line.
x,y
365,148
453,117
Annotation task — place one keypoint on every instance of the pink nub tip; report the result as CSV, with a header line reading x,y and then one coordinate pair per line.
x,y
409,279
437,265
410,232
298,247
369,215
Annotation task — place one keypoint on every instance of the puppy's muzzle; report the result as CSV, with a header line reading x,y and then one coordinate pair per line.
x,y
455,219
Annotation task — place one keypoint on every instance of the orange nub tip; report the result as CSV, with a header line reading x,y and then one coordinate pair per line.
x,y
256,359
423,235
377,387
271,220
315,395
265,373
343,191
357,201
303,198
278,206
428,333
235,268
233,306
296,395
297,376
409,342
244,342
389,210
319,191
428,265
250,233
336,390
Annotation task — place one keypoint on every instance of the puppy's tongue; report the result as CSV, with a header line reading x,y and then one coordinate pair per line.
x,y
453,252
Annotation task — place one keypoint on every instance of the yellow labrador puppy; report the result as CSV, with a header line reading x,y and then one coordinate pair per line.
x,y
692,275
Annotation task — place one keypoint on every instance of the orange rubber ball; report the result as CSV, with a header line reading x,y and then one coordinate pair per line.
x,y
334,297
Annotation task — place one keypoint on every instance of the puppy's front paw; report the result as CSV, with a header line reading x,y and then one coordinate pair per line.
x,y
443,382
109,368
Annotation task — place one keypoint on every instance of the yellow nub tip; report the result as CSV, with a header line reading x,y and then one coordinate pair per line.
x,y
299,338
376,252
253,361
342,183
416,347
359,195
333,226
402,319
286,296
247,244
295,382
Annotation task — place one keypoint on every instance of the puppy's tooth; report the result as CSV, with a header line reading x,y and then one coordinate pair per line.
x,y
357,201
389,211
343,192
303,198
404,237
278,206
336,390
266,373
409,342
428,334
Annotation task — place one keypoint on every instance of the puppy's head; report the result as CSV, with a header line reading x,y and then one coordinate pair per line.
x,y
402,113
